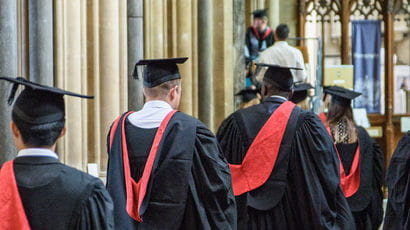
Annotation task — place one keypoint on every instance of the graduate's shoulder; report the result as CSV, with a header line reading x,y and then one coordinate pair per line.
x,y
79,178
188,119
309,121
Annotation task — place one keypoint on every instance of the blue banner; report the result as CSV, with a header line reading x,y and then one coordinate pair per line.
x,y
366,43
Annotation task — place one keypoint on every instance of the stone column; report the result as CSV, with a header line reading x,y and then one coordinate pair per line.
x,y
238,47
205,81
222,60
135,52
41,41
71,75
183,47
109,68
273,13
8,67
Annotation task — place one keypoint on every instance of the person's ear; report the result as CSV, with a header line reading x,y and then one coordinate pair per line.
x,y
63,131
14,130
264,90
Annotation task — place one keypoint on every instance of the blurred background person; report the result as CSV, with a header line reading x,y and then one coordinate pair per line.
x,y
259,36
281,53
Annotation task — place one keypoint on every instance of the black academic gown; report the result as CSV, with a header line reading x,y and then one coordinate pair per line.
x,y
190,185
303,190
398,182
367,203
56,196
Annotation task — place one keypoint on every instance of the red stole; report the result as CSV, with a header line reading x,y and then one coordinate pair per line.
x,y
349,183
265,35
261,157
12,214
136,191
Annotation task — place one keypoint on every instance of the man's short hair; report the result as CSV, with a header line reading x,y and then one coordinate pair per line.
x,y
39,135
282,31
162,90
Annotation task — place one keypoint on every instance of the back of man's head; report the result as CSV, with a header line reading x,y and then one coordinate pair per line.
x,y
161,91
282,32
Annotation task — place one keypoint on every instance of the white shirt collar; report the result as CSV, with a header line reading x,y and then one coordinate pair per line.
x,y
151,115
37,152
156,104
283,98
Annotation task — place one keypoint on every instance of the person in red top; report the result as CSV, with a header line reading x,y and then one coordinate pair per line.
x,y
37,190
361,159
284,167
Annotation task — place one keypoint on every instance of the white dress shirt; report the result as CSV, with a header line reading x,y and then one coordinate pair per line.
x,y
281,53
37,152
151,114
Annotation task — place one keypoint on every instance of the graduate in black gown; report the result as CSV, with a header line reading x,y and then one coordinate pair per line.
x,y
37,190
165,168
259,36
398,182
361,160
299,189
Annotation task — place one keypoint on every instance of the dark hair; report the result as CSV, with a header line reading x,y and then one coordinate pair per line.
x,y
39,135
282,31
341,112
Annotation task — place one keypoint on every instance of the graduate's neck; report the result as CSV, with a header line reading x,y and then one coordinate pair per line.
x,y
24,146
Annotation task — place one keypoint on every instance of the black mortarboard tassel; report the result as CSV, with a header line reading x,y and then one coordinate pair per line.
x,y
279,76
341,95
38,104
158,71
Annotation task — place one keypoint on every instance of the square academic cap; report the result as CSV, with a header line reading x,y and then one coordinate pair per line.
x,y
248,94
38,104
300,92
260,13
341,94
280,76
159,71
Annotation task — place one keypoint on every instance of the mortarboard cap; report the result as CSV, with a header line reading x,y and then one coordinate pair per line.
x,y
261,13
280,76
38,104
300,92
248,94
340,94
158,71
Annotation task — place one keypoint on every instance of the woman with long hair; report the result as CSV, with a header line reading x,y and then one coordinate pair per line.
x,y
361,159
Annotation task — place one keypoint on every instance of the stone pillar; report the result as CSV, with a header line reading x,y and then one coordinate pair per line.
x,y
109,67
41,56
273,13
71,75
135,52
205,81
8,67
238,47
222,60
183,48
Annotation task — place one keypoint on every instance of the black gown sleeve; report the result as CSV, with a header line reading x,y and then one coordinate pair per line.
x,y
398,184
96,210
231,140
210,189
314,163
378,181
